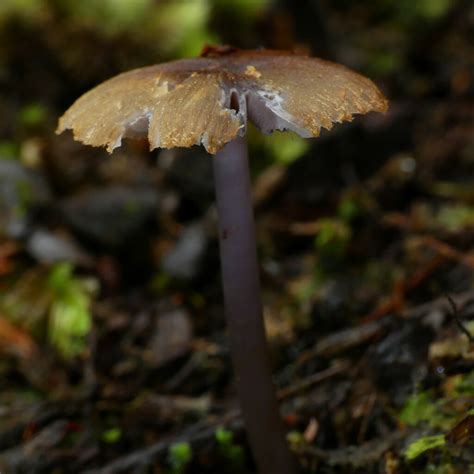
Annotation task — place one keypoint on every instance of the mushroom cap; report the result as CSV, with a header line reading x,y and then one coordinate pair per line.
x,y
207,100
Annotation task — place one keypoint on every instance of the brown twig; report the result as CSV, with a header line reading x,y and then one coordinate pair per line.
x,y
457,320
15,340
447,251
313,379
7,250
396,301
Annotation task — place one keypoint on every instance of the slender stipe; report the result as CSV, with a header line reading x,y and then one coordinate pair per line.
x,y
241,284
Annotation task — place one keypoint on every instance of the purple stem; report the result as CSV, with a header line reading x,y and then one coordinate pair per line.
x,y
241,284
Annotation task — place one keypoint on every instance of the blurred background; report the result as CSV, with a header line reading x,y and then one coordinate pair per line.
x,y
113,352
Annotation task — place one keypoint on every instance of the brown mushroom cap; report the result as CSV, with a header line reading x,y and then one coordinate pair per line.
x,y
207,100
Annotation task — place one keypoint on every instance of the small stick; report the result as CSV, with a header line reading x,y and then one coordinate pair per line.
x,y
457,320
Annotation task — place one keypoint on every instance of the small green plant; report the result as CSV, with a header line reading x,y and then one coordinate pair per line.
x,y
179,457
228,449
69,314
53,304
421,445
348,209
333,237
112,435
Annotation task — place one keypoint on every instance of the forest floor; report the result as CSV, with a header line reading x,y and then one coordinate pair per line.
x,y
113,347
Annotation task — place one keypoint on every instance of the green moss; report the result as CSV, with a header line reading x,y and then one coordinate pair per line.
x,y
440,414
465,385
422,407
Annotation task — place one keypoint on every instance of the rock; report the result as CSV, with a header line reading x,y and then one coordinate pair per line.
x,y
111,216
47,247
183,260
21,190
172,338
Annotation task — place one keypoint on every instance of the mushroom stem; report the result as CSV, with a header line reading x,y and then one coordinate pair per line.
x,y
241,284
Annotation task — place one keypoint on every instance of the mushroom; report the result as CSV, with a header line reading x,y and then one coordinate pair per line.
x,y
207,101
